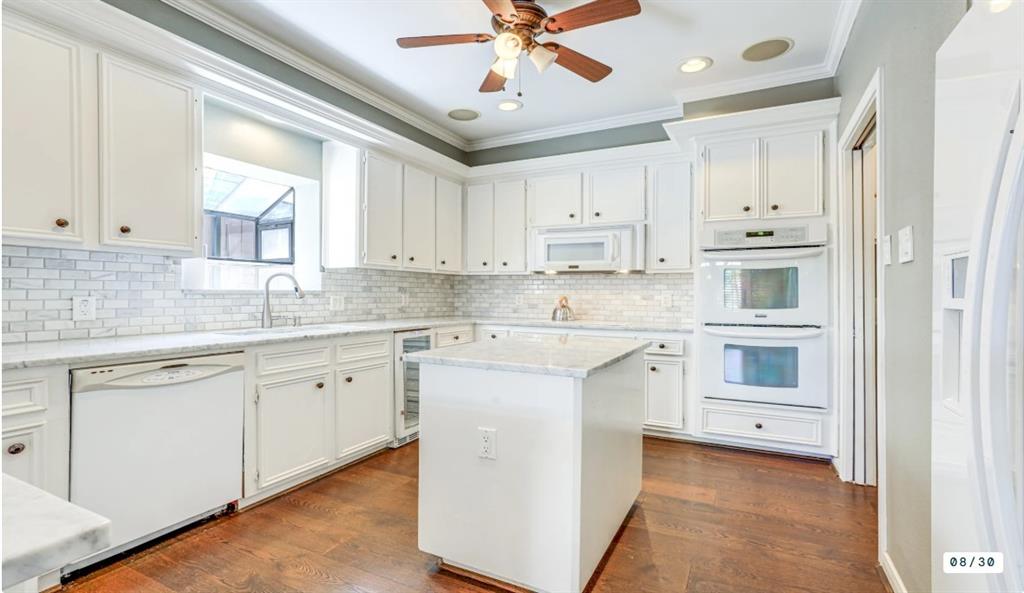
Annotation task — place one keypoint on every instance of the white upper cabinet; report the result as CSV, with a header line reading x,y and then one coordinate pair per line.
x,y
555,200
418,220
793,174
42,151
149,147
480,228
731,180
670,236
448,252
616,195
382,229
509,227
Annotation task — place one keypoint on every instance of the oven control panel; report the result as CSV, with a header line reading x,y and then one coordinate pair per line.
x,y
752,237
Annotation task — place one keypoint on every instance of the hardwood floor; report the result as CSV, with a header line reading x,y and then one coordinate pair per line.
x,y
709,520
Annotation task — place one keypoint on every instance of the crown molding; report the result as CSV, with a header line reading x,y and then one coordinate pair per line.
x,y
218,19
605,123
848,11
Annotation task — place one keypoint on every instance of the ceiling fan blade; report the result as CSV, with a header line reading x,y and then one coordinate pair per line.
x,y
493,83
503,9
593,13
578,63
429,40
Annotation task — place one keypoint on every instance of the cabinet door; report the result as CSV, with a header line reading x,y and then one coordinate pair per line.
x,y
510,226
730,180
616,195
418,220
664,407
149,176
555,200
24,454
293,420
42,154
480,228
362,408
448,254
670,237
382,225
793,174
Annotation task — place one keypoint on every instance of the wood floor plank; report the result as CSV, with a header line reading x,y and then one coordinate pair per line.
x,y
709,520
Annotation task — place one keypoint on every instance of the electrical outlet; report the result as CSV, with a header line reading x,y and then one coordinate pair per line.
x,y
405,299
488,443
83,308
519,300
337,302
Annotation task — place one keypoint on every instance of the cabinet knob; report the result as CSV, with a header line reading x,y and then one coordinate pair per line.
x,y
653,368
125,229
443,262
504,263
597,214
661,260
494,336
759,426
411,258
775,206
16,448
662,346
746,208
62,223
572,215
320,385
394,257
485,263
456,337
348,379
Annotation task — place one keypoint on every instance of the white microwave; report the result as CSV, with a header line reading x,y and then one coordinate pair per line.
x,y
587,249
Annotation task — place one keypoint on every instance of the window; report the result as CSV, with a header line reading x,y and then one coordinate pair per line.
x,y
247,219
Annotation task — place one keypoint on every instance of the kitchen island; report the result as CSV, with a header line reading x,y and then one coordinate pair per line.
x,y
530,455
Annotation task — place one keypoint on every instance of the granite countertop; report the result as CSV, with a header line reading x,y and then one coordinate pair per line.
x,y
107,350
43,533
569,356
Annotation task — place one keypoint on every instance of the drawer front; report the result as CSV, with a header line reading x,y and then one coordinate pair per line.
x,y
268,363
365,348
673,346
490,333
24,397
769,426
452,336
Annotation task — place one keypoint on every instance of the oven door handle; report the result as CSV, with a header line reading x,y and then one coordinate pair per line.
x,y
770,254
777,335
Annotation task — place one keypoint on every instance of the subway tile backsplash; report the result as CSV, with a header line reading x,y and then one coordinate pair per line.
x,y
141,294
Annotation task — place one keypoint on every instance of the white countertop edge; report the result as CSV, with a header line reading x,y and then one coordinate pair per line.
x,y
98,351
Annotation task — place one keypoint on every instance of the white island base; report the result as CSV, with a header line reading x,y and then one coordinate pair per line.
x,y
566,468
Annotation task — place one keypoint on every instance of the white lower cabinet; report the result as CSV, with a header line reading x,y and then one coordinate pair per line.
x,y
664,389
362,416
293,426
36,427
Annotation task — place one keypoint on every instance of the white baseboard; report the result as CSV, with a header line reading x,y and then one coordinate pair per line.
x,y
895,582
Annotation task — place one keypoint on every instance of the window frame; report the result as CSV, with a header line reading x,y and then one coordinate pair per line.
x,y
258,231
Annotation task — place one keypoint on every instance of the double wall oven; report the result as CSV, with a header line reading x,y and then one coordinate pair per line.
x,y
764,310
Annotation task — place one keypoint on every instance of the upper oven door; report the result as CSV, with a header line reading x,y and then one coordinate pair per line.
x,y
770,365
765,287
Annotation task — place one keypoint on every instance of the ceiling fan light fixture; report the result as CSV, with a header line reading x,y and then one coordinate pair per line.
x,y
542,57
695,64
505,68
510,105
508,46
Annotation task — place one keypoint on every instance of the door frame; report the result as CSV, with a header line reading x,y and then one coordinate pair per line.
x,y
869,106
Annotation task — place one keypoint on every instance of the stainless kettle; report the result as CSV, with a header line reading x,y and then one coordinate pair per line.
x,y
563,312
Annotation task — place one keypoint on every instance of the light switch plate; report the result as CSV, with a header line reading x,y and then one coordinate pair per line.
x,y
83,308
906,244
887,250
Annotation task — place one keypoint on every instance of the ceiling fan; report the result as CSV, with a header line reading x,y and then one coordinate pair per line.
x,y
518,23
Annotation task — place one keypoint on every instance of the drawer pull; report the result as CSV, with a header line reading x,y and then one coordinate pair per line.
x,y
661,260
394,257
411,258
16,448
494,336
597,214
746,208
662,346
653,368
485,263
348,379
572,215
456,337
443,263
775,206
62,223
125,229
320,385
504,263
759,426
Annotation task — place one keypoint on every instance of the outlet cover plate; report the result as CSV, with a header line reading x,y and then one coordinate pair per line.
x,y
83,308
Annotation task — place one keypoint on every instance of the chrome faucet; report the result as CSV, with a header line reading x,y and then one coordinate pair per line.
x,y
268,321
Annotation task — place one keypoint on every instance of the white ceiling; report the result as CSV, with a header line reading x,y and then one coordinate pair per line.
x,y
356,39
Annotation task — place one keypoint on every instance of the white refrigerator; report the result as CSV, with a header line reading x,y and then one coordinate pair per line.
x,y
978,302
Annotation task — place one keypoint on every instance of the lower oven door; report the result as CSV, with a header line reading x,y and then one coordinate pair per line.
x,y
769,365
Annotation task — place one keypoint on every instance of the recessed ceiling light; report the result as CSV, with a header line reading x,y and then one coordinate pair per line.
x,y
510,105
696,64
767,50
463,114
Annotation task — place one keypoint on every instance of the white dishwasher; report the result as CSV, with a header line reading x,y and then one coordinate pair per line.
x,y
156,445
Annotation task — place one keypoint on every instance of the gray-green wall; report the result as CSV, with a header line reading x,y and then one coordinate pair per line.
x,y
231,134
901,37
